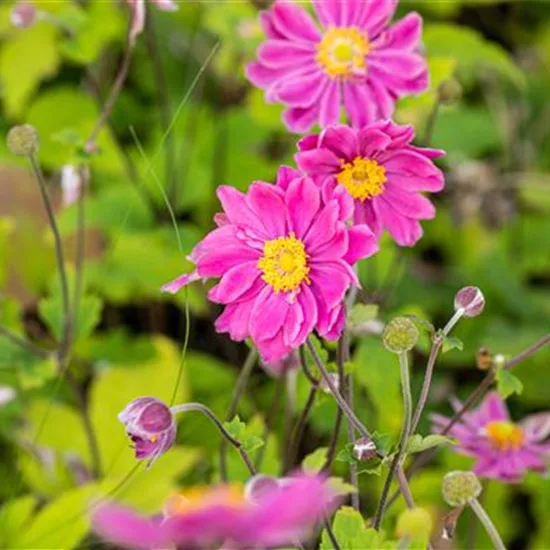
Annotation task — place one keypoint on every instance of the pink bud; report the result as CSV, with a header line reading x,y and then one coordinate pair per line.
x,y
364,449
470,299
150,425
259,486
23,15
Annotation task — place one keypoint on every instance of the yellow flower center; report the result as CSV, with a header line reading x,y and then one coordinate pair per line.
x,y
363,178
342,52
284,263
505,436
197,498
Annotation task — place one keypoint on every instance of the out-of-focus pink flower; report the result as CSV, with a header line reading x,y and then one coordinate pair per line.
x,y
286,364
504,450
380,169
278,515
150,425
139,10
284,254
353,57
23,15
7,394
71,184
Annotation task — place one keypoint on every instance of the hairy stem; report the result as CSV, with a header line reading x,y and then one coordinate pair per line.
x,y
240,388
199,407
489,526
405,432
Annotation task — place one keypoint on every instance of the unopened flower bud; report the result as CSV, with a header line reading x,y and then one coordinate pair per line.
x,y
23,140
334,378
400,335
150,425
415,524
364,449
449,91
470,300
459,488
23,15
484,359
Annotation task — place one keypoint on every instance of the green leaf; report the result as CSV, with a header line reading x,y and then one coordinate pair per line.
x,y
473,53
315,460
508,383
450,343
339,487
26,59
383,442
240,431
13,517
417,443
421,323
351,532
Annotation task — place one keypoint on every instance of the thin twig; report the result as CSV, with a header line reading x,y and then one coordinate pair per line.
x,y
22,343
240,388
489,526
331,535
299,428
199,407
80,246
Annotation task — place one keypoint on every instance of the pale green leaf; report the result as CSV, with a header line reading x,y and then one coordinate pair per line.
x,y
315,461
508,383
417,443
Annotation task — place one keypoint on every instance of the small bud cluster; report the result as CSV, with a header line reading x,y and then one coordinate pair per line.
x,y
459,488
400,335
23,140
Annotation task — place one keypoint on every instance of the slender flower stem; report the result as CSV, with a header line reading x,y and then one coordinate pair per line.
x,y
240,388
114,93
308,374
299,428
331,535
477,394
430,124
350,415
489,526
59,255
22,343
405,432
434,352
346,383
199,407
80,246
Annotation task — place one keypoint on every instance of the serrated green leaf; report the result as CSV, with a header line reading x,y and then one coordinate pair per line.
x,y
338,487
450,343
508,383
421,323
418,443
361,314
383,442
240,431
315,461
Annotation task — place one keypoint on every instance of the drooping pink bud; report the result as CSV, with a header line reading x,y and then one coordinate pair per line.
x,y
150,425
23,15
470,300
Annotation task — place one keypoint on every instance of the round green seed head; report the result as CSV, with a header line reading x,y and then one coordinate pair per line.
x,y
400,335
459,488
23,140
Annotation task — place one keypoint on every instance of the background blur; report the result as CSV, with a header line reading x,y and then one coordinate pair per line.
x,y
492,230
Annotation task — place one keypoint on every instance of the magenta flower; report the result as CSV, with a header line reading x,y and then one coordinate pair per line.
x,y
504,450
380,169
284,254
286,364
150,425
353,57
277,515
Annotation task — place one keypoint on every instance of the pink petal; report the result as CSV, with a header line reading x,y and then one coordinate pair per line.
x,y
268,314
367,213
403,35
138,18
303,201
237,210
301,120
235,320
323,228
166,5
404,231
265,202
310,314
273,349
235,283
413,164
412,205
492,408
372,141
412,183
359,104
333,249
302,91
537,426
260,75
280,54
397,62
329,12
341,140
177,284
332,282
308,142
378,15
294,22
285,175
329,109
362,244
268,25
318,161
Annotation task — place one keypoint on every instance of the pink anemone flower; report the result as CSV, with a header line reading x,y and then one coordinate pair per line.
x,y
284,255
504,450
353,57
279,513
139,11
380,169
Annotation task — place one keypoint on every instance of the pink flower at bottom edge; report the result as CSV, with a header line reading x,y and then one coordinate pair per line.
x,y
280,514
380,169
351,57
284,255
504,450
